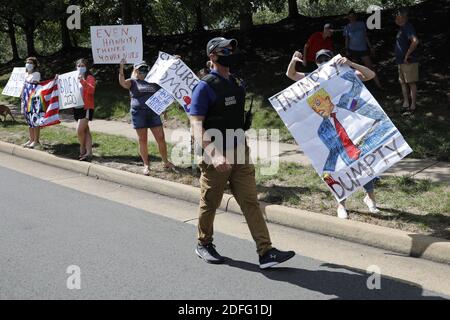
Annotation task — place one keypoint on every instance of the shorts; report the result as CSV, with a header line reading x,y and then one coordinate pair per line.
x,y
408,73
144,117
81,113
356,54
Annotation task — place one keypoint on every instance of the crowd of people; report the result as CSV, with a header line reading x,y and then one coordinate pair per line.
x,y
218,103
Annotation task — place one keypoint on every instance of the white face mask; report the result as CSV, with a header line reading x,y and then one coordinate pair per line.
x,y
29,67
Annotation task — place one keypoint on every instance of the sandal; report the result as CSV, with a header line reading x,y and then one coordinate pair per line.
x,y
169,166
85,157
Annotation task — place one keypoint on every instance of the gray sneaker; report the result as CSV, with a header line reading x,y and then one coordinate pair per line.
x,y
209,254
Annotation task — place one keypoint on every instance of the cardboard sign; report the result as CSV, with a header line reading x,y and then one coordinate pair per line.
x,y
69,90
341,127
15,83
175,77
111,44
160,101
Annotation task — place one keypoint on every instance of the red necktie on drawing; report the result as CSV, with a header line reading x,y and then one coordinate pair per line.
x,y
352,151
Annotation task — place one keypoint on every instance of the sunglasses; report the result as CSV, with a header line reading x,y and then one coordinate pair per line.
x,y
143,70
225,51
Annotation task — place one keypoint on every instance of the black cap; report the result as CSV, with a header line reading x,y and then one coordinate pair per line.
x,y
220,42
324,52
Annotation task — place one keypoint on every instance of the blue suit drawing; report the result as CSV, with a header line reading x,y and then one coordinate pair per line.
x,y
381,130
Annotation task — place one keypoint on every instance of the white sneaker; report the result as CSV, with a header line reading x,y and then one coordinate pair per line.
x,y
26,144
34,145
342,212
371,205
146,171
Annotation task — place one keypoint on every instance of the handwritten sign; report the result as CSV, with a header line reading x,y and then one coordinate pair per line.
x,y
175,77
160,101
69,91
15,83
111,44
340,127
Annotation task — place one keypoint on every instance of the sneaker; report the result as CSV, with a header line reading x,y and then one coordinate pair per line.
x,y
209,254
342,212
274,257
26,144
34,145
146,171
371,205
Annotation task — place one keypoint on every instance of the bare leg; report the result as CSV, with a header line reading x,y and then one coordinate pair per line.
x,y
31,133
88,141
158,133
371,195
413,88
405,92
143,147
37,134
81,132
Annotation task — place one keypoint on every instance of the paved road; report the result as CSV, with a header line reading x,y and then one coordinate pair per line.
x,y
128,253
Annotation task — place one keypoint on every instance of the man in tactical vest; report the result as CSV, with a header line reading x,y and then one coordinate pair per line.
x,y
218,122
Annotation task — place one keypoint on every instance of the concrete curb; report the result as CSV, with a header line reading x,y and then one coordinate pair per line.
x,y
410,244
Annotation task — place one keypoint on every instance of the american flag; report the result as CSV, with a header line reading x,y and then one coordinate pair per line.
x,y
42,103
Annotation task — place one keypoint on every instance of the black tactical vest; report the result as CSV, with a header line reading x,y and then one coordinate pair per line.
x,y
228,111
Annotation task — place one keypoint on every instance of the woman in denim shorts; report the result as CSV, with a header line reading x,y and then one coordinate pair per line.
x,y
142,116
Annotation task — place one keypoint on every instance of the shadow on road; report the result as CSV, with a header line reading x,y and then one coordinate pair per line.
x,y
342,282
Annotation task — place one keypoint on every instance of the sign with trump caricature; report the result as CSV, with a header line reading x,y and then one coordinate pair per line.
x,y
341,127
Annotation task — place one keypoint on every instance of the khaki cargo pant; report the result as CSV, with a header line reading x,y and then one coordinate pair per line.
x,y
243,187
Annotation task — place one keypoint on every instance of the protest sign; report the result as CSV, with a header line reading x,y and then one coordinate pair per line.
x,y
111,44
340,127
174,76
160,101
69,90
15,83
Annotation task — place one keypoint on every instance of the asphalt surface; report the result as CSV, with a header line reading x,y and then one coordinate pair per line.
x,y
127,253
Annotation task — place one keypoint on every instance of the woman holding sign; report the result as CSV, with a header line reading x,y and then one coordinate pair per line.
x,y
142,116
324,108
32,79
85,113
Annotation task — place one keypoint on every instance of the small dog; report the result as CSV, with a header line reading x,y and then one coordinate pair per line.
x,y
4,111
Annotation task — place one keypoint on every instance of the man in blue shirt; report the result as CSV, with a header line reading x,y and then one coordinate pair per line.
x,y
406,58
217,109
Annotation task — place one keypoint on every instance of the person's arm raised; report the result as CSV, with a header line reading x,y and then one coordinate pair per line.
x,y
291,73
363,73
126,84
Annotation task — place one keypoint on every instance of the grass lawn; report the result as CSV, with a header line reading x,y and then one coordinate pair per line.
x,y
407,204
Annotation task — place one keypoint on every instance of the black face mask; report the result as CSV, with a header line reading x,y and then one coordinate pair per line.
x,y
229,61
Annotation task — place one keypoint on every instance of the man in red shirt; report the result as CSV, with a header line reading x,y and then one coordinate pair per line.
x,y
317,41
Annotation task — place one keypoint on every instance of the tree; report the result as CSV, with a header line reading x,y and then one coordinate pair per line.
x,y
7,26
292,9
245,15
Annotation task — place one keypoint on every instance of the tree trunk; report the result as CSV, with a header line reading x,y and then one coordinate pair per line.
x,y
199,25
245,16
12,39
65,35
126,12
30,27
293,9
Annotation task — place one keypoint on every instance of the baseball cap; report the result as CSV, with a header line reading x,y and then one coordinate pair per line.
x,y
141,64
324,52
327,26
220,42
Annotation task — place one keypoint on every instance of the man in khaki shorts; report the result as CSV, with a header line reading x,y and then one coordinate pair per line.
x,y
406,57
